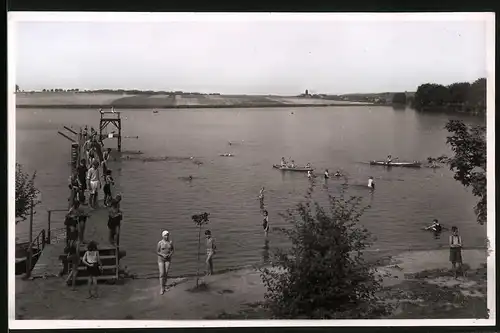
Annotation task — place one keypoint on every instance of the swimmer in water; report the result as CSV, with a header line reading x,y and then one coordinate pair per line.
x,y
435,226
338,174
327,175
190,177
309,174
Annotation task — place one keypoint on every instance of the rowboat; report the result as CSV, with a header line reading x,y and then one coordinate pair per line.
x,y
297,168
397,164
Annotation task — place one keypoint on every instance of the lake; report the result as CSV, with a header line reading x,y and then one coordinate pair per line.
x,y
156,198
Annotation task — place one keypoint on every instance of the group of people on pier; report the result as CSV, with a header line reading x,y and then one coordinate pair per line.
x,y
89,175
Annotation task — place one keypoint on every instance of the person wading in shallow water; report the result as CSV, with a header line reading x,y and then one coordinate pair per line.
x,y
93,262
456,251
265,223
210,252
164,250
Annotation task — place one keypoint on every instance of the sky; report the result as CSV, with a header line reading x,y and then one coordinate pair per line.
x,y
249,56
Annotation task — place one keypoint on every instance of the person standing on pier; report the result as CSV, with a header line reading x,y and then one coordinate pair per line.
x,y
210,252
108,181
82,175
164,250
94,182
92,260
114,222
74,186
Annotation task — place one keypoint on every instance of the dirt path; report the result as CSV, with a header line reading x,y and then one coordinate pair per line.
x,y
227,293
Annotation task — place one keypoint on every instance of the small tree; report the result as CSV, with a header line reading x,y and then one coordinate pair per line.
x,y
200,220
399,98
26,193
323,275
468,144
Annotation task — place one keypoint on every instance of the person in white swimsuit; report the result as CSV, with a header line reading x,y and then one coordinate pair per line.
x,y
94,182
164,250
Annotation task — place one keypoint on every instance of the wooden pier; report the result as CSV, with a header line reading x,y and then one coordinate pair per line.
x,y
53,259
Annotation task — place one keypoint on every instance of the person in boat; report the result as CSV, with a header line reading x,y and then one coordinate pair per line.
x,y
283,162
265,222
210,252
327,175
292,165
338,174
371,183
435,226
308,165
164,250
389,159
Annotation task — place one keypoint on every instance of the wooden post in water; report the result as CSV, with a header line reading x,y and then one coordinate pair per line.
x,y
30,247
48,226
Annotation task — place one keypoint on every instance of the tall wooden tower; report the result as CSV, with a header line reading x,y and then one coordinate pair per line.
x,y
111,118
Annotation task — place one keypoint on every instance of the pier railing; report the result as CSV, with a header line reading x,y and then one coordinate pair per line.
x,y
40,242
49,224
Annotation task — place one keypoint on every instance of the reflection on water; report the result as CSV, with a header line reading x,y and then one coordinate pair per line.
x,y
265,252
156,197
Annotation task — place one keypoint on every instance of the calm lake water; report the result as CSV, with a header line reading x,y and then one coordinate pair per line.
x,y
155,198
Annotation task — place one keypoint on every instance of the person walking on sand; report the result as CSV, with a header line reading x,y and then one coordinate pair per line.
x,y
456,251
210,252
92,260
164,250
94,182
265,223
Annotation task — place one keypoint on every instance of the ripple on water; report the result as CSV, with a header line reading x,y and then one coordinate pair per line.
x,y
156,199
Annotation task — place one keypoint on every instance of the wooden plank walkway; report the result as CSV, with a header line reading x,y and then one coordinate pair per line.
x,y
96,229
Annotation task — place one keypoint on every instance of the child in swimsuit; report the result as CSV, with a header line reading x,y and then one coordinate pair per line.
x,y
265,222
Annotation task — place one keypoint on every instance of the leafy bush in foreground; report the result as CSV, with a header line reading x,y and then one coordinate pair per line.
x,y
323,275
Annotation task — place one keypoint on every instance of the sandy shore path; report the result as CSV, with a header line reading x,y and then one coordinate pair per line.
x,y
227,293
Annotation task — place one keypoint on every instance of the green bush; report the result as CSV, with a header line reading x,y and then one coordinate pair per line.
x,y
323,274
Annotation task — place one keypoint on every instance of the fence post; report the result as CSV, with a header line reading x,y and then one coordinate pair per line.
x,y
48,226
30,246
43,239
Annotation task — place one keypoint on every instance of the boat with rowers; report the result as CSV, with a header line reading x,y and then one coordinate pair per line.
x,y
414,164
289,168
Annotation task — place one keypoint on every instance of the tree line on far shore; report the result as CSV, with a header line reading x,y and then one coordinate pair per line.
x,y
462,96
119,91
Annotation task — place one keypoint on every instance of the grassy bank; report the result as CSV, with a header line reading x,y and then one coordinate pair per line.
x,y
65,100
421,293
